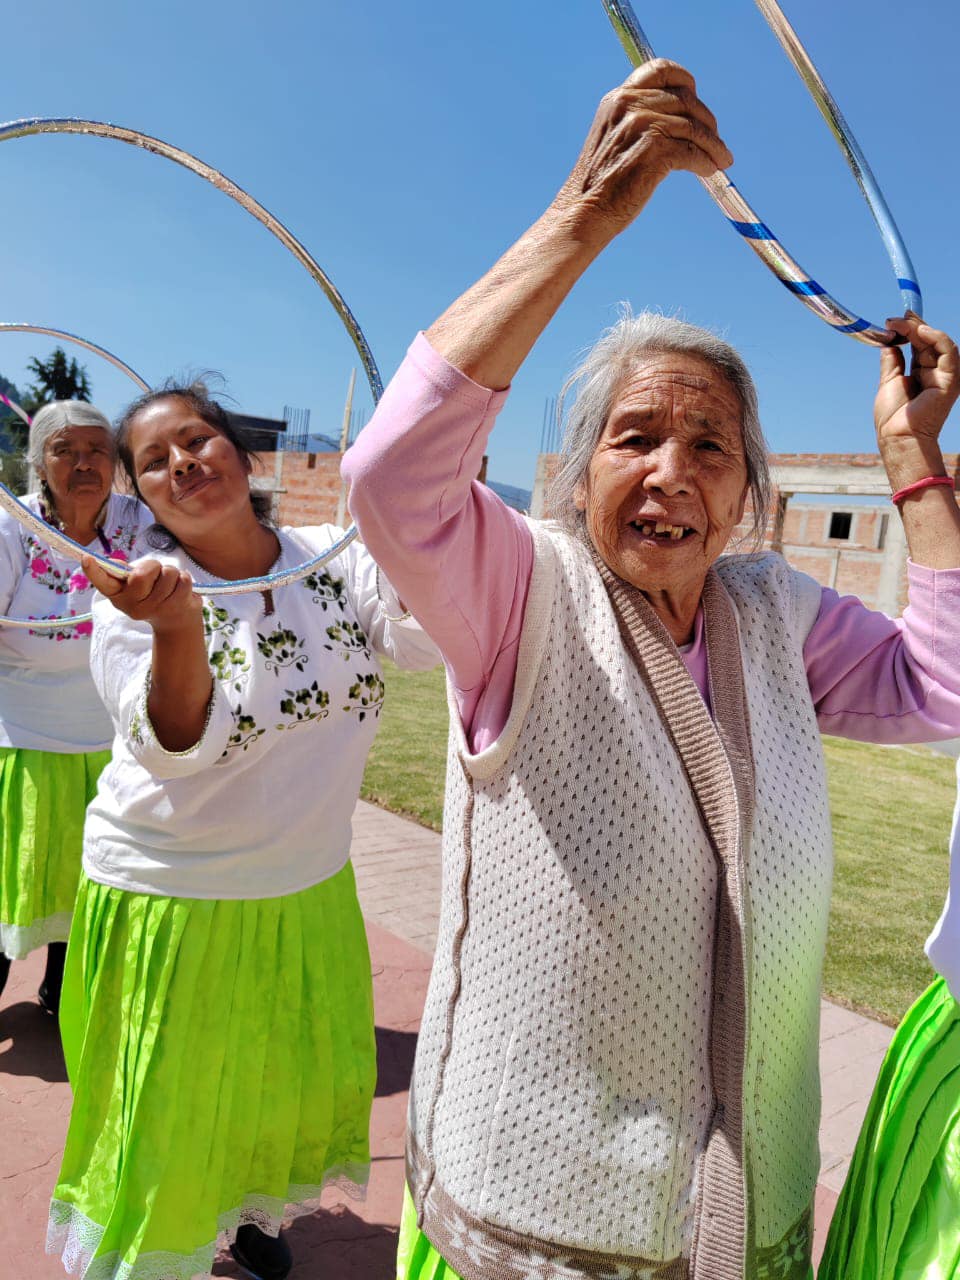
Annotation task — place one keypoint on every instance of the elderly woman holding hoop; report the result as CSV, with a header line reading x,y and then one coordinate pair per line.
x,y
217,1018
54,732
617,1069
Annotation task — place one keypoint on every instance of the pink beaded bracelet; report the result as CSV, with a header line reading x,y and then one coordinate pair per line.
x,y
926,483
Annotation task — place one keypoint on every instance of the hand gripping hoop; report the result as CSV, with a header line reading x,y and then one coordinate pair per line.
x,y
56,539
756,233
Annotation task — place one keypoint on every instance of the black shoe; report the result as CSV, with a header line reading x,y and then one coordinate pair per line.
x,y
49,992
263,1257
4,970
49,1002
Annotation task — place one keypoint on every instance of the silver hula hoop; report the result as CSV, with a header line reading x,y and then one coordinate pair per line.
x,y
9,502
57,540
755,232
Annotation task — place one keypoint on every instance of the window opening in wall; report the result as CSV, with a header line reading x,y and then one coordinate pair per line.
x,y
840,522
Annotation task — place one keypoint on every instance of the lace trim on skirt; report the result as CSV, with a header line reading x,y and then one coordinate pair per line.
x,y
17,941
71,1233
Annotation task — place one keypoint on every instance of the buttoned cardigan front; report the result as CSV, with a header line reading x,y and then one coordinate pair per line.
x,y
617,1068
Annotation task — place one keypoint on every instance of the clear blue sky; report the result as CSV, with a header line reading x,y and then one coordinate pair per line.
x,y
407,144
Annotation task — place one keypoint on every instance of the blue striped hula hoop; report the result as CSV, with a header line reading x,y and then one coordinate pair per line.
x,y
754,231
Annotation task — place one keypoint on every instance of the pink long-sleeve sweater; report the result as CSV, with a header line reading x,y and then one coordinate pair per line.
x,y
461,561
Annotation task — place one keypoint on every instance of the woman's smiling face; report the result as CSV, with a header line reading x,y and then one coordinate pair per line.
x,y
668,480
189,474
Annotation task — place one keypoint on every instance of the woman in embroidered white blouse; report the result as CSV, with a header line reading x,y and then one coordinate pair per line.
x,y
54,732
220,1043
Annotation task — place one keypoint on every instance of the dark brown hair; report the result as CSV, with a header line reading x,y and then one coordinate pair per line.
x,y
197,395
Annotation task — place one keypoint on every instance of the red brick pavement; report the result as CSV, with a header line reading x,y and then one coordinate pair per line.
x,y
348,1241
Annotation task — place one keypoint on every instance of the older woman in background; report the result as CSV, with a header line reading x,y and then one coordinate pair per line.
x,y
617,1070
54,731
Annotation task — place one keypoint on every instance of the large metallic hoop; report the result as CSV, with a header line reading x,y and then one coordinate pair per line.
x,y
755,232
63,336
99,129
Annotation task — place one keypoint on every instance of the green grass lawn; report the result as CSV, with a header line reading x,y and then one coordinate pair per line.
x,y
406,767
891,817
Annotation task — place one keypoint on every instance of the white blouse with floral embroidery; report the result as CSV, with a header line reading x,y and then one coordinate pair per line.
x,y
47,699
261,805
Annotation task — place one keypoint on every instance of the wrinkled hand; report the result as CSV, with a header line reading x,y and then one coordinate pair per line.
x,y
649,126
915,405
155,593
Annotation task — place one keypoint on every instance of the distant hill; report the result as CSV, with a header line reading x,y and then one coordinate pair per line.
x,y
519,499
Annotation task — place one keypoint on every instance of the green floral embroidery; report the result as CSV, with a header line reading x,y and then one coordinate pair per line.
x,y
348,639
230,663
366,695
327,590
136,728
282,648
217,619
245,732
303,705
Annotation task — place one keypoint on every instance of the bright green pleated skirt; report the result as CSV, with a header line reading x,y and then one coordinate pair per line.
x,y
417,1259
898,1217
223,1064
43,801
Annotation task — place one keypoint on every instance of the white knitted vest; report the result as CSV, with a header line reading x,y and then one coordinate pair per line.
x,y
617,1067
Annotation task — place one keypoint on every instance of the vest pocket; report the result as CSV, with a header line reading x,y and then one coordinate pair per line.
x,y
569,1145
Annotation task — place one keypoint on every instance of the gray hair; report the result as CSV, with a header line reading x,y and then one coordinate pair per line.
x,y
56,415
621,348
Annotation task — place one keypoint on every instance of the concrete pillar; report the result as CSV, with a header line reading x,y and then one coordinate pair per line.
x,y
779,515
894,568
538,499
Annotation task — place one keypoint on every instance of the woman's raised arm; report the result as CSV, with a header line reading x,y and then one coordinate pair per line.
x,y
910,411
459,558
650,125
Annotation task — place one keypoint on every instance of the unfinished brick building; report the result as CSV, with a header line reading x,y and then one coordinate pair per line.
x,y
306,486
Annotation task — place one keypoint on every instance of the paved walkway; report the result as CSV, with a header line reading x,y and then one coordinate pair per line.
x,y
347,1241
398,875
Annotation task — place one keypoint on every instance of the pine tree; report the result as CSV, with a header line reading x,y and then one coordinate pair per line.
x,y
57,378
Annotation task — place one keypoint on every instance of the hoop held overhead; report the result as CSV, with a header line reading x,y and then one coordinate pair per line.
x,y
754,231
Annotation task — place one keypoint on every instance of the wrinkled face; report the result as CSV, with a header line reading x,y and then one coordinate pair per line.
x,y
189,474
668,479
78,465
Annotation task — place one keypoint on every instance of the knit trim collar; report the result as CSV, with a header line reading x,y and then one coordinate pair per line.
x,y
718,762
